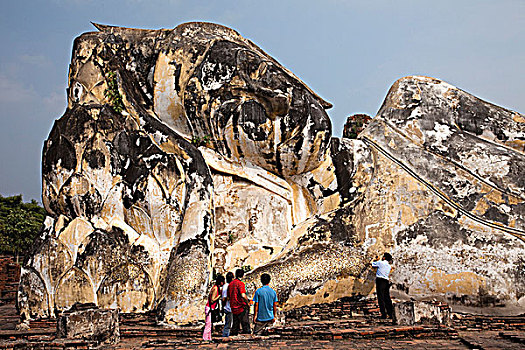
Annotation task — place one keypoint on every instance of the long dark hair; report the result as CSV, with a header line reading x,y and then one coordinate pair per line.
x,y
219,279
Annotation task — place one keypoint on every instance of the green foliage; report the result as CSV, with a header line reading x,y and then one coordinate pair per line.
x,y
112,93
200,141
20,223
355,124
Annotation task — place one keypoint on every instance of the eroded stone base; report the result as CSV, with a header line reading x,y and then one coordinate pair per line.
x,y
421,312
86,321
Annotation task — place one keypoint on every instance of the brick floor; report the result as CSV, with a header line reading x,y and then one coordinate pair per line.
x,y
270,344
358,332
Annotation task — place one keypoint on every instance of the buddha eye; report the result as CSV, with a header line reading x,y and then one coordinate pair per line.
x,y
77,91
253,113
252,117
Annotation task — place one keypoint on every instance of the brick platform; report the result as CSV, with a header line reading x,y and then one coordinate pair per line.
x,y
306,328
348,323
9,277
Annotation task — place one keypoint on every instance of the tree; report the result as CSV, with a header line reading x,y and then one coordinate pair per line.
x,y
20,224
355,124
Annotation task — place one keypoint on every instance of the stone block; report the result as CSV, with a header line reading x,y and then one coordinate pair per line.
x,y
420,312
88,322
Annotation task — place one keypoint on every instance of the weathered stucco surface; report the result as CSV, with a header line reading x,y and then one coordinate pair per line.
x,y
453,166
188,151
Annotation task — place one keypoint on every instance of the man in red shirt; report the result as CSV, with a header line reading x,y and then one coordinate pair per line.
x,y
239,303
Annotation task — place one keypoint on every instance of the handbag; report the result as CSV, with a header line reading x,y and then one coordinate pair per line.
x,y
216,315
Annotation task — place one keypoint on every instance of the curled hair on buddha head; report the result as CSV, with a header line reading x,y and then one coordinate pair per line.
x,y
239,273
219,279
265,278
388,257
229,277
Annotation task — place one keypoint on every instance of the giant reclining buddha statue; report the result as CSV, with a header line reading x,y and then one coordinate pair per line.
x,y
188,152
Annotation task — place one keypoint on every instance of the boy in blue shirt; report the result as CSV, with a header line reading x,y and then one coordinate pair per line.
x,y
265,307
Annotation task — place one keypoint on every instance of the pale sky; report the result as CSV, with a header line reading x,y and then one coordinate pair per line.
x,y
349,52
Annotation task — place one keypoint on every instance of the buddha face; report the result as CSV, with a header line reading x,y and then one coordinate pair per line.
x,y
254,110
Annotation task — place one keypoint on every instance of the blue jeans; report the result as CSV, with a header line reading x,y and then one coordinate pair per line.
x,y
227,324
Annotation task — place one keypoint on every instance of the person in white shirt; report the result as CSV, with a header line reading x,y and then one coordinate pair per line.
x,y
383,285
227,308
